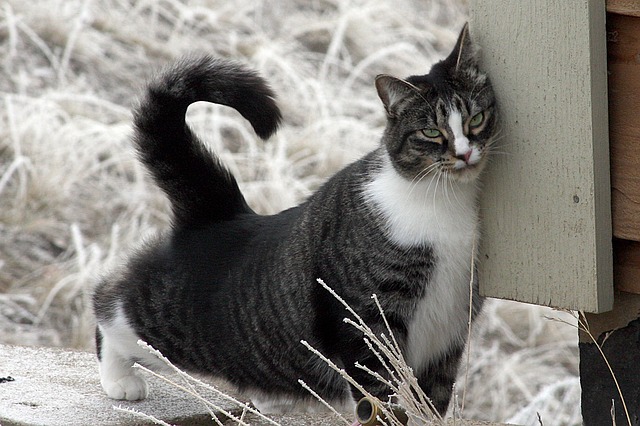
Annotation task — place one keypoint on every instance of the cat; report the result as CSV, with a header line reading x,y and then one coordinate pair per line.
x,y
231,293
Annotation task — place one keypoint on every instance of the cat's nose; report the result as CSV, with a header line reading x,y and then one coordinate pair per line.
x,y
465,157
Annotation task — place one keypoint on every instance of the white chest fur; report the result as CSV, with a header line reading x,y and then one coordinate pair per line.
x,y
443,215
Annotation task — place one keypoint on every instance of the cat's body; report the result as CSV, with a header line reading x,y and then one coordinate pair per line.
x,y
231,293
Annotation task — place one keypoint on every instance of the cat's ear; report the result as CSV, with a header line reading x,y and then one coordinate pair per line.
x,y
392,90
465,52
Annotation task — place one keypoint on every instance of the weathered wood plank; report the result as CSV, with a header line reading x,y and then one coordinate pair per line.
x,y
623,56
546,203
626,265
624,7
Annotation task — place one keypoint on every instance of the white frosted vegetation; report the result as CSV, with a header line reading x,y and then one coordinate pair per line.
x,y
73,200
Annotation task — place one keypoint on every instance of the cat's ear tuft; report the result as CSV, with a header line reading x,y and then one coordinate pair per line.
x,y
392,90
465,53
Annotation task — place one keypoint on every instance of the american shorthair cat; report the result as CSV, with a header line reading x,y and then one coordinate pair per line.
x,y
231,293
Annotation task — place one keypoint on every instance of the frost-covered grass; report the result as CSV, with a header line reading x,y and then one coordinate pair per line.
x,y
73,200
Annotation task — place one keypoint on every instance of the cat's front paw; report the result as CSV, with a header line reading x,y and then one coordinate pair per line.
x,y
131,388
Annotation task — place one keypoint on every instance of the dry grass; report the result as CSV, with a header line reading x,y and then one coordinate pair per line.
x,y
73,200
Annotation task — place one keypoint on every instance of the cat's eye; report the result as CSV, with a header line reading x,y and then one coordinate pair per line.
x,y
432,133
476,120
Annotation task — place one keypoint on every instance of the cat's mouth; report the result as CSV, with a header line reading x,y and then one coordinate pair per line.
x,y
466,169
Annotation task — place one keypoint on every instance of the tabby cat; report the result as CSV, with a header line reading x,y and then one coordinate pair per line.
x,y
231,293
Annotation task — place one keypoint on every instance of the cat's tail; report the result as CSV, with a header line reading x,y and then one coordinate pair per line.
x,y
200,188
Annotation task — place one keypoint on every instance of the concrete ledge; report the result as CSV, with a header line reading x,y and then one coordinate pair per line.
x,y
54,387
59,387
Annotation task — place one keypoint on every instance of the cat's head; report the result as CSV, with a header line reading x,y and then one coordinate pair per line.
x,y
442,122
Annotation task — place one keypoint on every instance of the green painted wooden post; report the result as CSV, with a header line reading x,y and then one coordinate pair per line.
x,y
546,200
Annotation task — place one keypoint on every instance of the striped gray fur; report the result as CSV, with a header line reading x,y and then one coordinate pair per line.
x,y
230,293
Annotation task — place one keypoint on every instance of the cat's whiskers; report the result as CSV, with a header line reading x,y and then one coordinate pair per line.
x,y
497,142
423,173
499,136
478,94
437,167
420,176
494,153
453,184
445,186
438,176
427,172
473,99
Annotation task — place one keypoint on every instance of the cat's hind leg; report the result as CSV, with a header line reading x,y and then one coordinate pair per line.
x,y
438,379
117,352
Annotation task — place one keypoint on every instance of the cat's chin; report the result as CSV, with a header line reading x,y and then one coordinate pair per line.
x,y
468,174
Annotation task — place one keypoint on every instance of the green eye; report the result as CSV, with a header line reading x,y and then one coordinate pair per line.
x,y
432,133
476,120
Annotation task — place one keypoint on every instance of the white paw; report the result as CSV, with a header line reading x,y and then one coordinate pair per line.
x,y
131,388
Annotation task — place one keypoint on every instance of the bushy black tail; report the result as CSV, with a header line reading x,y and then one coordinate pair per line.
x,y
200,188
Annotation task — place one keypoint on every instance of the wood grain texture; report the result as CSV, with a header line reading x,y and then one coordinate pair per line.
x,y
623,52
624,7
626,308
626,265
546,200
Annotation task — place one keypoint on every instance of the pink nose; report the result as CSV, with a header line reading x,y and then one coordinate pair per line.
x,y
465,157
